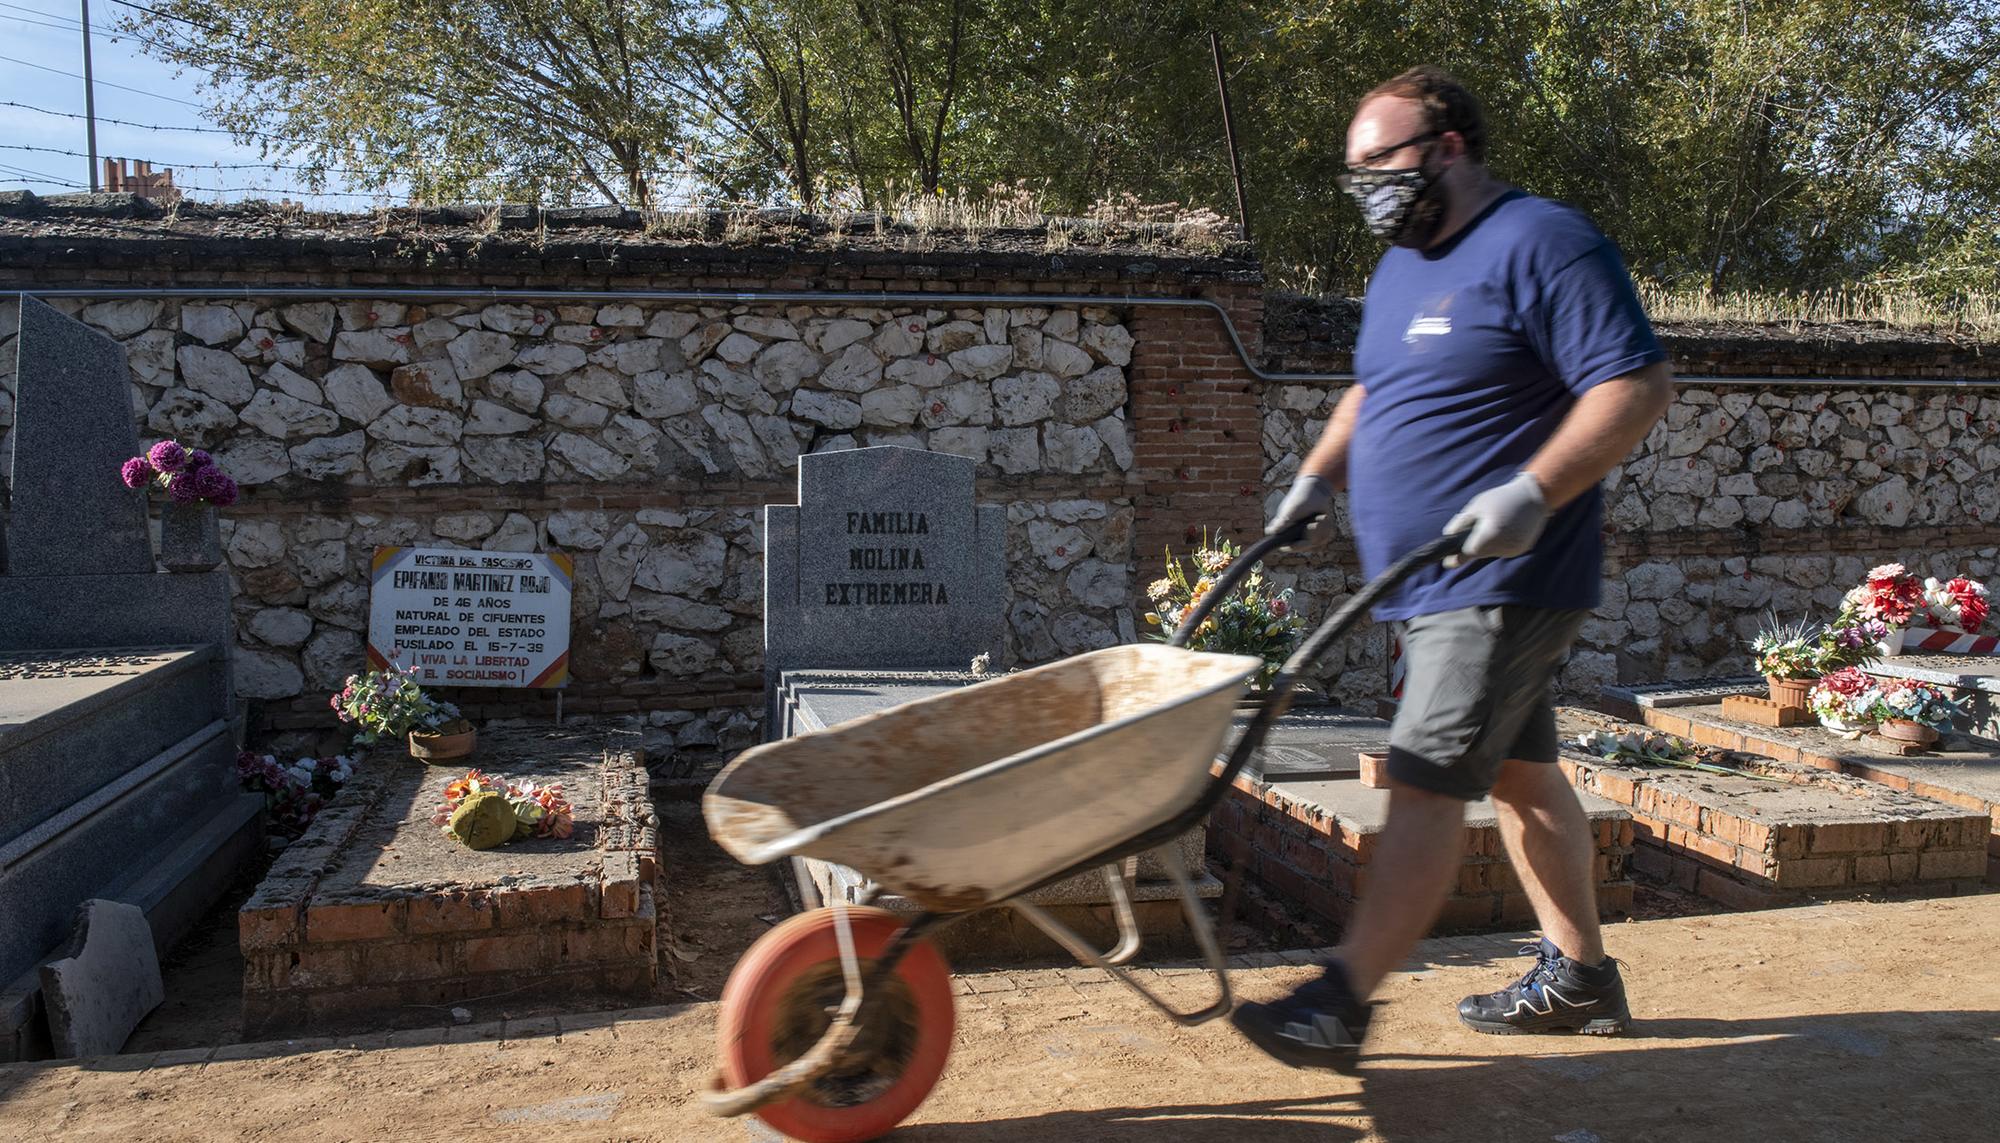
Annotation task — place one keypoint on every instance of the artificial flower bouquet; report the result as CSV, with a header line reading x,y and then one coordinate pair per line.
x,y
294,792
188,476
1893,596
1849,699
389,704
483,810
1253,621
1792,656
1912,700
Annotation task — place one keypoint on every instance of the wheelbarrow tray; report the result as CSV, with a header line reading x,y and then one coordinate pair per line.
x,y
964,799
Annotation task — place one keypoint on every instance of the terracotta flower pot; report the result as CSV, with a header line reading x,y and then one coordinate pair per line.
x,y
1789,693
1907,730
448,743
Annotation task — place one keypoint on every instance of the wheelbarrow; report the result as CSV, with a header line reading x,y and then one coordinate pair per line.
x,y
835,1025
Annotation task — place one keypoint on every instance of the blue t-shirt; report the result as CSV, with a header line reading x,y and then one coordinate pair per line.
x,y
1471,353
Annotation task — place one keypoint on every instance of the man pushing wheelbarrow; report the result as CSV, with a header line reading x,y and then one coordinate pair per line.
x,y
1504,366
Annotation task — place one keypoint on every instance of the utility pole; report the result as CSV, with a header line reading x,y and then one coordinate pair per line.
x,y
89,97
1229,136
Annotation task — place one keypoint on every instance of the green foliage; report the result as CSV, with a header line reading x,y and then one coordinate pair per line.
x,y
1794,147
1254,620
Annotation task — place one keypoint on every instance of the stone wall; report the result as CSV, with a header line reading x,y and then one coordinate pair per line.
x,y
643,435
590,414
1748,498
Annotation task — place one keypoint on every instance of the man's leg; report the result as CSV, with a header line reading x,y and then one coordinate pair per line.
x,y
1549,842
1573,985
1415,864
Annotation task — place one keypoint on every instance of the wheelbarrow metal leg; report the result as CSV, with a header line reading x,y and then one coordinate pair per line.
x,y
1204,933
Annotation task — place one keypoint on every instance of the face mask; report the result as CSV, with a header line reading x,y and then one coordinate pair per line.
x,y
1403,207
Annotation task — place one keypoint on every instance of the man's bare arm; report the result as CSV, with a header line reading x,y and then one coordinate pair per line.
x,y
1599,432
1328,458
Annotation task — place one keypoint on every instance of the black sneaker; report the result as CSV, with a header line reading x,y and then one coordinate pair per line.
x,y
1320,1025
1558,994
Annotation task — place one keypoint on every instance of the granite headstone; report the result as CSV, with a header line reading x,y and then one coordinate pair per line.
x,y
885,561
73,427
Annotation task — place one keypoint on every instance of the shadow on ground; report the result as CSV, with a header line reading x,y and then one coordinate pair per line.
x,y
1861,1076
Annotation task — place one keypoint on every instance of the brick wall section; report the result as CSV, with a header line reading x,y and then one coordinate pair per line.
x,y
309,958
1748,739
1689,834
1309,858
1195,412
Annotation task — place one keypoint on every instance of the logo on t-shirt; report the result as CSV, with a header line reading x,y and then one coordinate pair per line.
x,y
1421,326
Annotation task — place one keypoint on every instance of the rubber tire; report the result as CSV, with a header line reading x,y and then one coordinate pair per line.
x,y
767,972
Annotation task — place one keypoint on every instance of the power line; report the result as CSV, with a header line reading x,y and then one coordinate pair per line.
x,y
66,23
102,82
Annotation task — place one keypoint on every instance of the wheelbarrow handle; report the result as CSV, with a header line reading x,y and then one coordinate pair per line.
x,y
1328,633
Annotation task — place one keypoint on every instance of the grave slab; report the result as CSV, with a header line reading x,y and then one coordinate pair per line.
x,y
1750,843
1963,771
99,992
1311,835
374,908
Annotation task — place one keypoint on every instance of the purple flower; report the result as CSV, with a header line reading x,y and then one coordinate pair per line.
x,y
181,489
167,456
208,482
136,472
199,458
226,494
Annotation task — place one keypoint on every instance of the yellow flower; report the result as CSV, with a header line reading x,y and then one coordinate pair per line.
x,y
1203,584
1153,617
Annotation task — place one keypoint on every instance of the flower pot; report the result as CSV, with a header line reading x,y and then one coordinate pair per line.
x,y
189,538
448,743
1789,694
1892,643
1907,730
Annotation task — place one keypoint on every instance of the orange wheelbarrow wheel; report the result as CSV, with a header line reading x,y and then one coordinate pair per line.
x,y
781,998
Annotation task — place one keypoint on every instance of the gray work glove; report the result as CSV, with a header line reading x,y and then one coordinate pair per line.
x,y
1311,498
1500,522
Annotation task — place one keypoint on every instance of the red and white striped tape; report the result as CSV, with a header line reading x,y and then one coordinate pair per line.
x,y
1950,642
1396,668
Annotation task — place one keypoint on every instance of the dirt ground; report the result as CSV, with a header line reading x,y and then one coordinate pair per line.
x,y
1854,1021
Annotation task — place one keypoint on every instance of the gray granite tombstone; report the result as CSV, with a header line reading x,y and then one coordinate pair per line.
x,y
116,718
885,561
77,566
72,429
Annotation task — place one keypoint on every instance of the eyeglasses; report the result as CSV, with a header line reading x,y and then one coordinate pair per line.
x,y
1362,168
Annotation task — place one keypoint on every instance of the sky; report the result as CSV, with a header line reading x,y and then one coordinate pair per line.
x,y
37,35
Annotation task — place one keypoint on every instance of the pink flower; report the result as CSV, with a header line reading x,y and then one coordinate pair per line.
x,y
225,493
1280,608
1886,571
167,456
136,472
199,459
181,488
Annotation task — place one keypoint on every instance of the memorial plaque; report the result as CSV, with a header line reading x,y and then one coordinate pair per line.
x,y
884,562
471,619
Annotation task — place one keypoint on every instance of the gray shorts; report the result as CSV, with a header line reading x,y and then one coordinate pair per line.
x,y
1476,693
